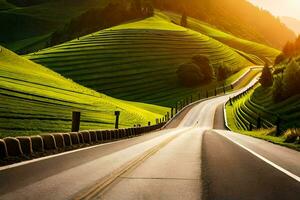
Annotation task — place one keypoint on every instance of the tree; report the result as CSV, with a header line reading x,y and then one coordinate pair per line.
x,y
266,79
280,58
297,45
222,72
278,89
291,79
183,21
204,63
190,75
288,49
136,6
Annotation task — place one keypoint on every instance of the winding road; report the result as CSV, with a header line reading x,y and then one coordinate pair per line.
x,y
194,157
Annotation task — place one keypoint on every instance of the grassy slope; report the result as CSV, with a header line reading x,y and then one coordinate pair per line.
x,y
257,52
20,25
35,99
259,100
136,61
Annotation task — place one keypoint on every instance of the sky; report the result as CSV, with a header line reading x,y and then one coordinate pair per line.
x,y
290,8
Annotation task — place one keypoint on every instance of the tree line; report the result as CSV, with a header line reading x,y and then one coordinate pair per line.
x,y
100,18
200,71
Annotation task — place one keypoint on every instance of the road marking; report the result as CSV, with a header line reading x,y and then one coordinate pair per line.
x,y
104,184
297,178
70,152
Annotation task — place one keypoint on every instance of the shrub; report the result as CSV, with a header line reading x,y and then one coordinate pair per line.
x,y
204,63
291,79
266,79
278,89
183,21
197,72
222,72
190,75
292,135
279,59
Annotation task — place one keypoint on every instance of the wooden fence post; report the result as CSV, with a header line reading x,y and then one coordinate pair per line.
x,y
259,122
75,121
117,114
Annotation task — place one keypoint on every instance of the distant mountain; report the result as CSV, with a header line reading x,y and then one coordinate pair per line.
x,y
292,23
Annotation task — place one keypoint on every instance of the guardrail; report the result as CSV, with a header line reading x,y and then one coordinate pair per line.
x,y
28,147
260,122
39,145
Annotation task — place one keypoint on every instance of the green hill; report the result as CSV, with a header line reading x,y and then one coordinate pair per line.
x,y
29,27
238,17
137,61
256,52
35,99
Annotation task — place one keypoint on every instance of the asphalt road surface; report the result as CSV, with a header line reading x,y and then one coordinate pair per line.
x,y
195,160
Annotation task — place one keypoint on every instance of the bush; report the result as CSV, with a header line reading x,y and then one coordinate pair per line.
x,y
197,72
291,79
292,135
204,63
190,75
222,72
279,59
266,79
183,21
278,89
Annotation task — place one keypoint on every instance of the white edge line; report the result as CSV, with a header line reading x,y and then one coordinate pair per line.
x,y
263,158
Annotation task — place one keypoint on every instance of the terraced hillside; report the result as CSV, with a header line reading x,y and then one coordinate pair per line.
x,y
259,101
137,61
255,52
35,99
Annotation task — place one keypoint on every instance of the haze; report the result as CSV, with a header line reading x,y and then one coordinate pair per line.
x,y
288,8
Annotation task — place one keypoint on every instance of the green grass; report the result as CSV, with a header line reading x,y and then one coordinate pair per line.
x,y
35,99
255,52
137,61
259,101
23,25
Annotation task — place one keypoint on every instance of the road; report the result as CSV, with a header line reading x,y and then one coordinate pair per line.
x,y
195,160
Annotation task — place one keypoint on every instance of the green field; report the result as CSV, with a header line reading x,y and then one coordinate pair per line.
x,y
35,99
259,101
137,61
